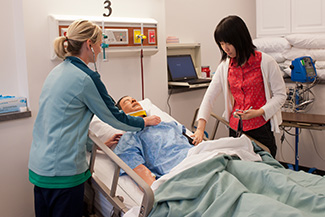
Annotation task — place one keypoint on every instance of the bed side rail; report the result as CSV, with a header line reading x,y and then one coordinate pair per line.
x,y
215,128
148,198
219,119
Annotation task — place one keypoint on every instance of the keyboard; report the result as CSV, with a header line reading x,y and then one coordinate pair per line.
x,y
199,81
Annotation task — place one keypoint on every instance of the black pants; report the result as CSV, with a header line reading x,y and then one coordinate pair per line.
x,y
262,134
65,202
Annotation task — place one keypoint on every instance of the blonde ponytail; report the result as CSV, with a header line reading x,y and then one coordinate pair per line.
x,y
59,47
78,32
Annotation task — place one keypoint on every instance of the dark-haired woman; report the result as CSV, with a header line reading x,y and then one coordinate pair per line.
x,y
251,82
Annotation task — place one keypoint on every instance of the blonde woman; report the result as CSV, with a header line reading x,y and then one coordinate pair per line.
x,y
71,95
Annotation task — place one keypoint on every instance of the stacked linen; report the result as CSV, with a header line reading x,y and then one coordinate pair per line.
x,y
312,45
275,47
172,40
287,48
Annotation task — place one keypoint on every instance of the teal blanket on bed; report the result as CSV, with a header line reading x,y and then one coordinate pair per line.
x,y
225,187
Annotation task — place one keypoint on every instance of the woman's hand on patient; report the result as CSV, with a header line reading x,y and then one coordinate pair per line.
x,y
199,133
151,120
113,140
197,136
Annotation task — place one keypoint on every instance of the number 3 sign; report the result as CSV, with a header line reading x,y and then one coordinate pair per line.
x,y
107,4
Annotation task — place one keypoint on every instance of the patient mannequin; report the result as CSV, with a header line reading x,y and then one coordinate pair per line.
x,y
155,150
137,147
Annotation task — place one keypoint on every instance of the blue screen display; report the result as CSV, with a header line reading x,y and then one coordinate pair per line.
x,y
181,67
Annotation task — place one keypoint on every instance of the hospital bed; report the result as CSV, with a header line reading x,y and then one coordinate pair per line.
x,y
110,195
107,192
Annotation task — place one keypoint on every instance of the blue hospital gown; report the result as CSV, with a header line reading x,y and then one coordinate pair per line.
x,y
159,148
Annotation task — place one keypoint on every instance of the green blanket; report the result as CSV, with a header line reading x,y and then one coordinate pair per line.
x,y
223,186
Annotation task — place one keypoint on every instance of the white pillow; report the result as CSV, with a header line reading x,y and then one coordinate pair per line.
x,y
152,109
309,41
321,74
279,58
286,63
287,71
320,64
271,44
315,54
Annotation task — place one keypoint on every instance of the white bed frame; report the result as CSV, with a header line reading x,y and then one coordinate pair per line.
x,y
110,193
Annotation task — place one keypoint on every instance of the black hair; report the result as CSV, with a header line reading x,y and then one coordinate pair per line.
x,y
118,105
233,30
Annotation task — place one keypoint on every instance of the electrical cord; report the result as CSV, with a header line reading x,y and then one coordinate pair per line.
x,y
283,138
169,107
300,98
304,106
291,134
315,146
94,59
316,81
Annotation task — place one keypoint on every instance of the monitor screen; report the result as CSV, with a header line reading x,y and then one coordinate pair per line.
x,y
181,67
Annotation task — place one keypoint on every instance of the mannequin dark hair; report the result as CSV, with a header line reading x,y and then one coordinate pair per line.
x,y
233,30
118,104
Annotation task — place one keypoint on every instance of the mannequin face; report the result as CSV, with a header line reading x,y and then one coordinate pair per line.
x,y
129,104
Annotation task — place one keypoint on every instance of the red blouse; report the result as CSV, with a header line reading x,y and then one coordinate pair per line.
x,y
247,87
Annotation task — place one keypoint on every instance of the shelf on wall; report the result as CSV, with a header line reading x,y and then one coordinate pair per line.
x,y
175,89
182,45
118,47
131,52
194,49
15,115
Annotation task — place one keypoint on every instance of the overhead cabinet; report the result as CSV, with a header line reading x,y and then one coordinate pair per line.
x,y
283,17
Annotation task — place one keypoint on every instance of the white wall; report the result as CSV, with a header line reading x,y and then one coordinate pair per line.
x,y
31,16
195,21
8,64
13,51
16,136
